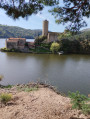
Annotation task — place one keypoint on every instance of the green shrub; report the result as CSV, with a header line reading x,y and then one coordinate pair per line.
x,y
54,47
39,40
1,77
80,101
8,86
86,108
46,45
5,97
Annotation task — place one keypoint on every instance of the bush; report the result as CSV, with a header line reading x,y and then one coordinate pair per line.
x,y
8,86
54,47
1,77
46,45
39,40
80,101
5,97
86,108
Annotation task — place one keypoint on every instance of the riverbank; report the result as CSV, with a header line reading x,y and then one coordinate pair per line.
x,y
37,101
33,51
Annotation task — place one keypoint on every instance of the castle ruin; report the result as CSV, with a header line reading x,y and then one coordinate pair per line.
x,y
51,36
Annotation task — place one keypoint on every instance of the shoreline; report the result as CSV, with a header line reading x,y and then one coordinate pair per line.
x,y
31,52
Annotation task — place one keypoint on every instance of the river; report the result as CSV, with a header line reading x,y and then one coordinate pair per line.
x,y
65,72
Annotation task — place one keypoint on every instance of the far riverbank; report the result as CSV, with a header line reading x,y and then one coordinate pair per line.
x,y
66,72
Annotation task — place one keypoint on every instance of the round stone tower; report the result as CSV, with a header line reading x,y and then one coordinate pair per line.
x,y
45,28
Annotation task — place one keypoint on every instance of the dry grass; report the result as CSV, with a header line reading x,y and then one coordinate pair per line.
x,y
1,77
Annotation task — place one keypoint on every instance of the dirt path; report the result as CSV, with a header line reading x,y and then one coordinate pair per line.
x,y
41,104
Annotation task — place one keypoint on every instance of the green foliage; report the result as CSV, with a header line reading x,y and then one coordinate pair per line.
x,y
13,31
46,45
28,89
5,97
24,8
8,86
80,101
78,43
40,50
39,40
1,77
86,108
64,35
72,13
54,47
9,50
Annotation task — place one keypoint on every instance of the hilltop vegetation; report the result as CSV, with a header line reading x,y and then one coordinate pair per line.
x,y
14,31
79,43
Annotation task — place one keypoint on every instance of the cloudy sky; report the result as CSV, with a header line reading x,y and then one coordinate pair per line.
x,y
35,21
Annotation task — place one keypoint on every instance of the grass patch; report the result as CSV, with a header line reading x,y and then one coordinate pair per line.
x,y
9,50
5,97
27,89
80,101
8,86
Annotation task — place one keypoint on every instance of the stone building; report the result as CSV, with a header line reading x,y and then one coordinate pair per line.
x,y
51,36
15,43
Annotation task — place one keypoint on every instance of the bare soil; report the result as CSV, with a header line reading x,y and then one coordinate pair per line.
x,y
41,104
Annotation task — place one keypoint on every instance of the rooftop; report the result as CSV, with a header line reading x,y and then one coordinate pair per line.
x,y
16,39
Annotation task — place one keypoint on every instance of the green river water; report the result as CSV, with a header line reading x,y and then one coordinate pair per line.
x,y
66,72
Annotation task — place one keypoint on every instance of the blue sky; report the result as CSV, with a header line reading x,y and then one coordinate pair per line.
x,y
35,21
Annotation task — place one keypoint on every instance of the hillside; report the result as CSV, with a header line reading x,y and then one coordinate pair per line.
x,y
88,29
14,31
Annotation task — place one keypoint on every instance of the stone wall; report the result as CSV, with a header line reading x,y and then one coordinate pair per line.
x,y
11,45
16,43
21,42
52,36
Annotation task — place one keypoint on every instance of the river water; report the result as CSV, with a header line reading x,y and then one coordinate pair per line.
x,y
66,72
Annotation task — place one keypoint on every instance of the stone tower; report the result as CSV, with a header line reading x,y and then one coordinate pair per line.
x,y
45,28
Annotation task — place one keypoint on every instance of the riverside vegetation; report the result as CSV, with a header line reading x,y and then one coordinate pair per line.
x,y
67,42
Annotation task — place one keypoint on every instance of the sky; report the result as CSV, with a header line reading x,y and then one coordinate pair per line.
x,y
35,21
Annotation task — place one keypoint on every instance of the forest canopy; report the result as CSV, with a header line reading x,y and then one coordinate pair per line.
x,y
14,31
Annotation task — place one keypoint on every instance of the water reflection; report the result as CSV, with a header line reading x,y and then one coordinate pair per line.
x,y
67,72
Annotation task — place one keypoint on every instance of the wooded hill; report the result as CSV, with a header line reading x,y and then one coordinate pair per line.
x,y
14,31
79,43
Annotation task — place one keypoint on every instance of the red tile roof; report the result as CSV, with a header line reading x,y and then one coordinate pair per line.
x,y
16,38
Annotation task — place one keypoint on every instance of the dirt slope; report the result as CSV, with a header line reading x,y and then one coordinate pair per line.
x,y
41,104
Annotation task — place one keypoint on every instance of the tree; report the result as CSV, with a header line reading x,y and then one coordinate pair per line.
x,y
55,47
65,35
72,12
24,8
